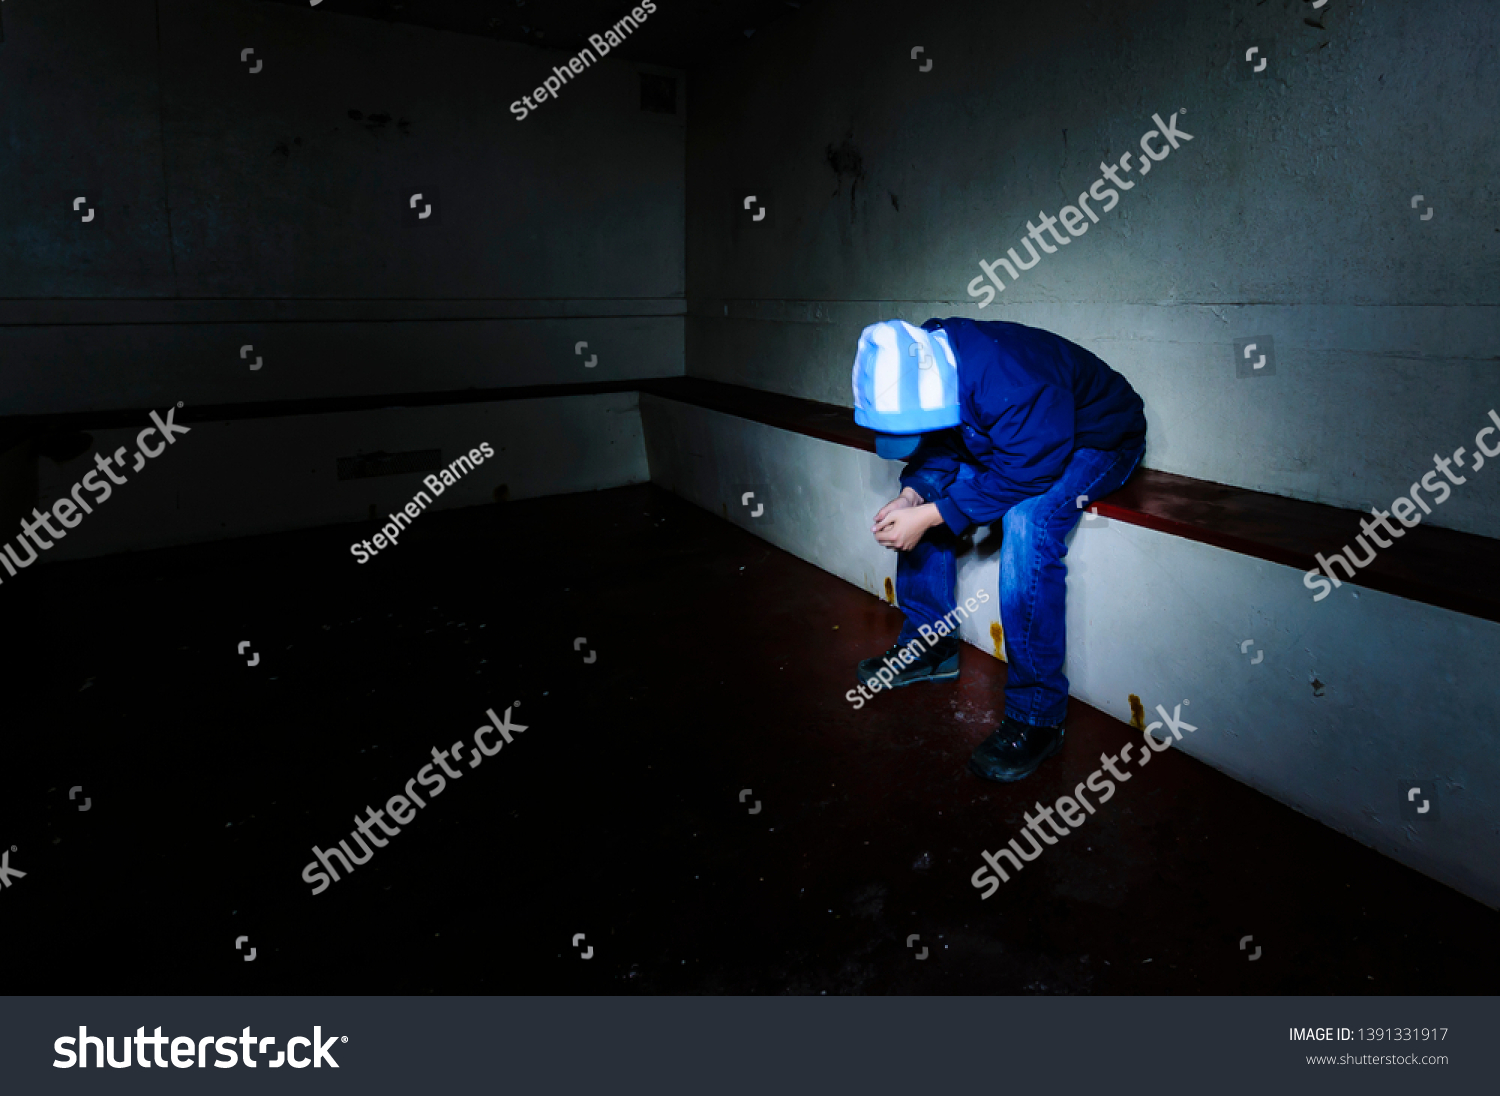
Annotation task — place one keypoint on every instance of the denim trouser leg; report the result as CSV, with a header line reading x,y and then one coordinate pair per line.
x,y
1033,582
926,576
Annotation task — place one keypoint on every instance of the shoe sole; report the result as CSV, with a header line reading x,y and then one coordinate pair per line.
x,y
951,676
1017,774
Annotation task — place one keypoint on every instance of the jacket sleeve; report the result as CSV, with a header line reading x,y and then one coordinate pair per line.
x,y
933,467
1032,434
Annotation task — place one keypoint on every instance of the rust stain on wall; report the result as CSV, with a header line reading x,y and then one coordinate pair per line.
x,y
890,590
1137,713
997,637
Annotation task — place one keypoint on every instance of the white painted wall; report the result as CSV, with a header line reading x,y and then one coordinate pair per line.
x,y
239,478
1408,689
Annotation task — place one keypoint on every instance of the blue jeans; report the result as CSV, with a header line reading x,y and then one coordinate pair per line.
x,y
1033,580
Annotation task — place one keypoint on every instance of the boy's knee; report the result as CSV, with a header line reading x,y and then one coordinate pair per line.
x,y
1017,524
1027,537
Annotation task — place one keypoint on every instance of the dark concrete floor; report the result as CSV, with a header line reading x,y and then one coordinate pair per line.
x,y
721,665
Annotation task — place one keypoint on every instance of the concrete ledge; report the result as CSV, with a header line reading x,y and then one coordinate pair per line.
x,y
1436,566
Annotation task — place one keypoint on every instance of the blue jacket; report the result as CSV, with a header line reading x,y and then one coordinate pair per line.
x,y
1027,398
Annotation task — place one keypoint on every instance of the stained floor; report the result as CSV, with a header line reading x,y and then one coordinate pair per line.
x,y
719,664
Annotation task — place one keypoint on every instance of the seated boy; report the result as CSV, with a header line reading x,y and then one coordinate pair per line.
x,y
998,422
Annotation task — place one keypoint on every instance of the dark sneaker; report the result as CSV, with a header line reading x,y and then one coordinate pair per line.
x,y
936,663
1015,751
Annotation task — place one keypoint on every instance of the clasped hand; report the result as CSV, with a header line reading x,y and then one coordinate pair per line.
x,y
901,523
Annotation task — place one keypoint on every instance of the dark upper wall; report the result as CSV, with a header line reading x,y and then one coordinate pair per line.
x,y
683,34
235,208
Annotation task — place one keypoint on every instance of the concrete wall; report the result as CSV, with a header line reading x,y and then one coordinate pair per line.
x,y
271,210
233,208
1332,709
240,478
1286,220
149,364
1349,697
